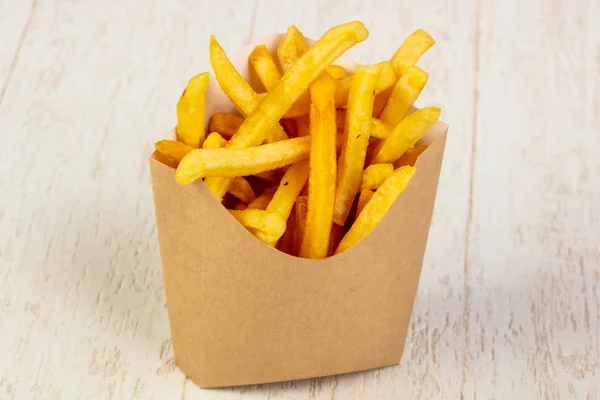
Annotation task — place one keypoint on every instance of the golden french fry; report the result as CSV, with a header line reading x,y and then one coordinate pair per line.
x,y
356,134
321,184
270,176
387,79
241,189
377,207
379,129
303,125
290,126
238,90
265,67
405,93
301,210
286,242
374,175
336,71
291,48
410,156
173,149
363,198
190,111
262,201
265,225
294,82
229,163
224,123
214,141
405,135
411,51
289,188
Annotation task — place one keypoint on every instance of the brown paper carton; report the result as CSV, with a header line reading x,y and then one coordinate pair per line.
x,y
243,313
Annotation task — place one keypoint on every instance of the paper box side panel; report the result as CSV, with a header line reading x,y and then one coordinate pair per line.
x,y
270,317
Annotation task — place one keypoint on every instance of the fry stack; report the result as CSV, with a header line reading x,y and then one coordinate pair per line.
x,y
313,163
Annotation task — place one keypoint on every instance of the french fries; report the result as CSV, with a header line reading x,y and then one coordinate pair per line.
x,y
267,226
387,79
289,188
374,175
291,48
313,165
410,156
294,82
241,189
262,201
336,71
356,133
229,163
238,90
411,51
190,111
404,95
321,186
405,135
363,198
214,141
376,208
175,150
225,124
265,67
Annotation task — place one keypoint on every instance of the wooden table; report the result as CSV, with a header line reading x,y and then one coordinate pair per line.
x,y
509,301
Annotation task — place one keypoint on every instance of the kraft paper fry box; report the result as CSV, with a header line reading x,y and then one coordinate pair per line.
x,y
242,312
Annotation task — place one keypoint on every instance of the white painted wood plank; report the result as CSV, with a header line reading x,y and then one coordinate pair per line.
x,y
15,21
533,274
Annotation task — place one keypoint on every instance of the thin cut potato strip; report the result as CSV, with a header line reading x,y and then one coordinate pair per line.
x,y
265,67
356,134
411,51
240,205
267,226
214,141
363,198
377,207
387,79
336,71
301,209
270,176
322,175
190,111
238,90
224,123
374,175
173,149
262,201
291,48
410,156
379,129
405,93
294,82
405,135
229,163
289,188
241,189
286,242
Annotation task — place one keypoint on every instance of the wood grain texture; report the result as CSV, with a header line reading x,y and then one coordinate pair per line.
x,y
509,299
